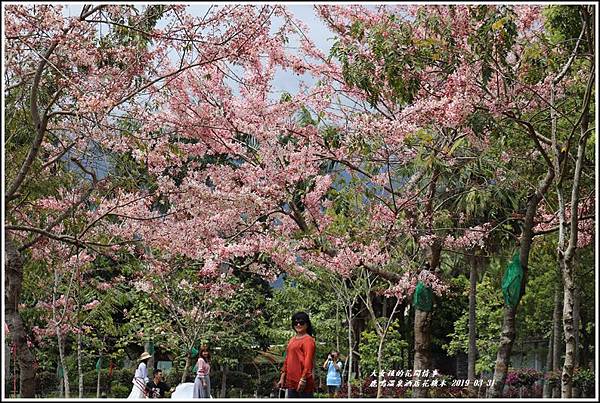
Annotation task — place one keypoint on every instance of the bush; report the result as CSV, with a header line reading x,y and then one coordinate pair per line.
x,y
120,391
172,378
122,376
552,378
525,377
47,382
583,378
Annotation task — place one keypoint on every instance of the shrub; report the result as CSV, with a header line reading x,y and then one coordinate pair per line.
x,y
47,382
552,377
120,391
525,377
583,378
172,378
122,376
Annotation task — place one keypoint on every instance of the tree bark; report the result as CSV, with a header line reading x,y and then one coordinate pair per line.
x,y
576,362
422,360
507,339
98,379
380,368
79,365
188,359
224,370
547,391
350,352
61,354
567,372
556,333
14,278
568,232
151,360
472,353
422,328
576,321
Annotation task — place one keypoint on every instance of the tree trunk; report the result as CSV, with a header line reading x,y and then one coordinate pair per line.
x,y
151,360
576,320
224,370
556,333
98,379
422,328
188,359
337,330
567,372
547,392
79,365
507,339
350,352
61,353
422,359
359,376
61,389
14,280
566,259
568,231
508,333
472,354
576,362
380,367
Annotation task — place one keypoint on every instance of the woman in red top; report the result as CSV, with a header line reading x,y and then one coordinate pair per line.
x,y
297,371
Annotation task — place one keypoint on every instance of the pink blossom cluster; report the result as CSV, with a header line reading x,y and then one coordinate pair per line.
x,y
548,221
91,305
473,237
405,287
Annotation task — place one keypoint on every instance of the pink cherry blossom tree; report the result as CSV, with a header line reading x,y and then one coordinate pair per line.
x,y
89,87
477,64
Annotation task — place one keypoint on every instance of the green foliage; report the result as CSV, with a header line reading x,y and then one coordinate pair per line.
x,y
393,347
387,42
494,38
489,323
584,378
120,391
563,23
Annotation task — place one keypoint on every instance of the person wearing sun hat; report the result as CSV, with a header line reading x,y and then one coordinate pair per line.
x,y
140,379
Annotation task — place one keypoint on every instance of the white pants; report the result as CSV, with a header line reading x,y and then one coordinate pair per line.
x,y
137,391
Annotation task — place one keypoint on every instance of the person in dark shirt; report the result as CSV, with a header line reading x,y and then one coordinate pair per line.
x,y
156,388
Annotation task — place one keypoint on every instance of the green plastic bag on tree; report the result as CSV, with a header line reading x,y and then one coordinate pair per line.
x,y
511,283
423,297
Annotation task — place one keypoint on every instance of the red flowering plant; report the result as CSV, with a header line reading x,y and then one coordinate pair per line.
x,y
523,377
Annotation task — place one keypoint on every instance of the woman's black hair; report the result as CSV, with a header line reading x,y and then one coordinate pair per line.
x,y
303,316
